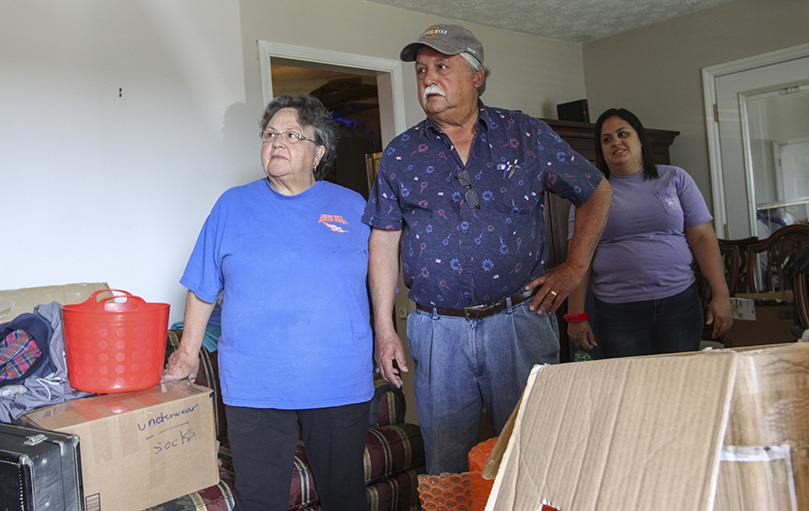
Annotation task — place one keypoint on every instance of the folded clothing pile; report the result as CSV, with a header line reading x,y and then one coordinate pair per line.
x,y
24,346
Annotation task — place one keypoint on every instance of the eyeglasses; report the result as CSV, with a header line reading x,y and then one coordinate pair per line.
x,y
290,137
471,196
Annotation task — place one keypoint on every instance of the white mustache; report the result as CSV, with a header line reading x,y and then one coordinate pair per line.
x,y
432,89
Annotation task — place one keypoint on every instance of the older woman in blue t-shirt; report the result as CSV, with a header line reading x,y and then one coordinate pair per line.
x,y
290,253
644,287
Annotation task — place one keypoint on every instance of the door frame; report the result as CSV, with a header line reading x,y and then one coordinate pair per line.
x,y
389,82
709,76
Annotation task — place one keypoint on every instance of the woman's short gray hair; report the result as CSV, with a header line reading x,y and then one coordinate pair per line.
x,y
311,112
474,66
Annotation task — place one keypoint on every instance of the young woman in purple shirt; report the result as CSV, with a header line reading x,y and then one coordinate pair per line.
x,y
644,287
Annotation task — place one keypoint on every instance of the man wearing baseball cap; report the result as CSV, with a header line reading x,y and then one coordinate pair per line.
x,y
459,197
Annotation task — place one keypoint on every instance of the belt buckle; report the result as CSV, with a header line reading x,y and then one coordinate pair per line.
x,y
475,308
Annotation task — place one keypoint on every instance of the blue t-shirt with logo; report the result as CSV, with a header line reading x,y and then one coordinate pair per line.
x,y
295,319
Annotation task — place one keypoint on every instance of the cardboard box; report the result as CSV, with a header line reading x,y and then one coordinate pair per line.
x,y
761,318
14,302
713,430
139,449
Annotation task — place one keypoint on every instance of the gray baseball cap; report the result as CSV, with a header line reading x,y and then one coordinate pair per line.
x,y
448,39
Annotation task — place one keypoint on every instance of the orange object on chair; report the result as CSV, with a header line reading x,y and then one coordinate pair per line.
x,y
480,453
462,492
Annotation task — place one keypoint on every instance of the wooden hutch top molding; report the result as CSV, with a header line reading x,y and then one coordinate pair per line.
x,y
580,137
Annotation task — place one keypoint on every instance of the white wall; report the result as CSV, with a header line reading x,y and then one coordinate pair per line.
x,y
655,71
107,187
99,187
528,73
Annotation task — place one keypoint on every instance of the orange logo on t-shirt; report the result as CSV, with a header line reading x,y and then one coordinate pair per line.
x,y
330,221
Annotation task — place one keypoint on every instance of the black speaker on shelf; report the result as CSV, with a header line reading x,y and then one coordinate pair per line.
x,y
573,111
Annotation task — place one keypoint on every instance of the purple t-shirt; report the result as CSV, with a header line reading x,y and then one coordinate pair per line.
x,y
457,256
643,253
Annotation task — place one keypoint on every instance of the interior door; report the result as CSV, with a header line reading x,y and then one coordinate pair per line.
x,y
737,173
776,135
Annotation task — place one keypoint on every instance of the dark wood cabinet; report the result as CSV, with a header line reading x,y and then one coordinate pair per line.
x,y
581,137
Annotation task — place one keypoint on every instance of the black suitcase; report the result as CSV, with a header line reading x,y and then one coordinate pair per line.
x,y
39,470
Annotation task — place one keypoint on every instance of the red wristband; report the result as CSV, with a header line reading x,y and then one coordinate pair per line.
x,y
576,318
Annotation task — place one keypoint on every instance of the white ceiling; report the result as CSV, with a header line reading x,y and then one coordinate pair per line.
x,y
576,21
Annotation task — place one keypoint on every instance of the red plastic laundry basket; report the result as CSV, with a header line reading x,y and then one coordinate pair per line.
x,y
113,345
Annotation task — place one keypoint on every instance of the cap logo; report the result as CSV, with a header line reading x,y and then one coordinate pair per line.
x,y
433,31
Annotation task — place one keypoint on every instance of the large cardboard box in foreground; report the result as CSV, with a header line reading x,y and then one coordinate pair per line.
x,y
713,430
139,449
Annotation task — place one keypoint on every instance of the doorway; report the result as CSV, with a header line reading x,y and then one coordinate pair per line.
x,y
775,131
388,74
742,138
352,97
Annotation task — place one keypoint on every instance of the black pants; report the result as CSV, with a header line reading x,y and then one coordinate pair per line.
x,y
263,442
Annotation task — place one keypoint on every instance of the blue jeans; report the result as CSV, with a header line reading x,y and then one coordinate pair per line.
x,y
461,364
666,325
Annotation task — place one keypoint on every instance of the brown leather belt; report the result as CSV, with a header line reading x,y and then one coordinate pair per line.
x,y
481,311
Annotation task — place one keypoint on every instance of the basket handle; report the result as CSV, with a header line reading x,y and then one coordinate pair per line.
x,y
108,304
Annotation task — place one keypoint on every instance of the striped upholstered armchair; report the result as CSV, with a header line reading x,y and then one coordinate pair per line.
x,y
394,454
